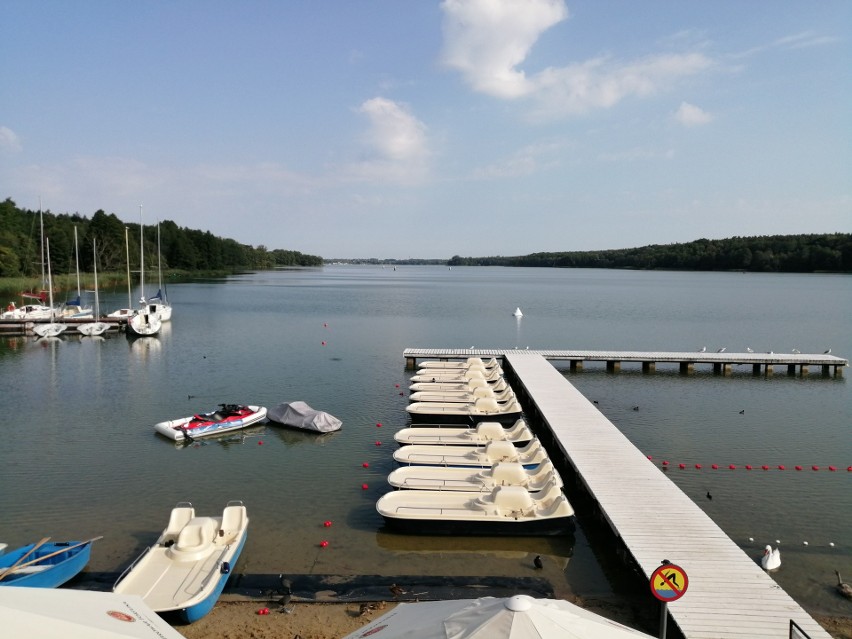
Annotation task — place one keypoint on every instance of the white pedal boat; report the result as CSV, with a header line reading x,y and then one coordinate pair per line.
x,y
484,409
462,396
470,362
518,433
472,480
528,456
506,510
186,569
475,382
453,377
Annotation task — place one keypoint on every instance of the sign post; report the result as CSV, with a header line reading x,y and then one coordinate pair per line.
x,y
668,583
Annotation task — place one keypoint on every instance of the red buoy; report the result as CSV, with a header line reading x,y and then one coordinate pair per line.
x,y
814,467
327,523
782,467
379,425
366,464
765,467
323,544
832,468
378,443
397,385
715,467
364,487
681,466
260,443
748,466
798,468
665,462
323,343
698,466
732,467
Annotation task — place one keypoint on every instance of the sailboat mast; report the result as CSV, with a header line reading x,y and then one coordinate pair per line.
x,y
41,228
95,267
159,263
49,279
77,260
127,250
141,258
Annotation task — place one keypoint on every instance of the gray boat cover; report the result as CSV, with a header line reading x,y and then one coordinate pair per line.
x,y
300,415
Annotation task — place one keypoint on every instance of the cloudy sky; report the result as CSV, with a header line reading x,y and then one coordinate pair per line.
x,y
395,129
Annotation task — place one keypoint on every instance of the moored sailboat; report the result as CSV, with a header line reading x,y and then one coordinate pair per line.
x,y
52,328
96,327
145,322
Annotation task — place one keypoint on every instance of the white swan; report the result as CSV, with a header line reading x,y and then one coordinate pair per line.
x,y
771,558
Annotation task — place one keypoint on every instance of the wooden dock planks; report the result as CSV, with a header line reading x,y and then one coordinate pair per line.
x,y
729,596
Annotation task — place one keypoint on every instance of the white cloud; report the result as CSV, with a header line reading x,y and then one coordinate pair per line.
x,y
396,140
526,161
690,115
488,40
9,140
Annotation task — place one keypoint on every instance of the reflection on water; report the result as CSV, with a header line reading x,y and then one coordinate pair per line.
x,y
334,338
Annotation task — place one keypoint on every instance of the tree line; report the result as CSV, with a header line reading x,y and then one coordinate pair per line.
x,y
181,249
770,253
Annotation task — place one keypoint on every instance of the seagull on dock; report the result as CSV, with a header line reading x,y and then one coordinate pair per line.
x,y
722,350
828,352
703,349
748,350
796,350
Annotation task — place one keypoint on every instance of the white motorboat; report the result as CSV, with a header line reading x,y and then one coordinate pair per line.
x,y
482,410
506,510
486,456
455,396
475,480
466,385
519,434
458,377
470,362
186,569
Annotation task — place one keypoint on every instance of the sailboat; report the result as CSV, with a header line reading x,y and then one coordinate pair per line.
x,y
73,308
97,327
144,322
126,312
35,309
51,329
160,303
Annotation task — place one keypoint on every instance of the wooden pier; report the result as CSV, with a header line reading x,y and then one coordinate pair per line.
x,y
651,519
721,363
25,327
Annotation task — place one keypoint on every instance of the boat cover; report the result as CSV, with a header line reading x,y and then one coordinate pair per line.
x,y
300,415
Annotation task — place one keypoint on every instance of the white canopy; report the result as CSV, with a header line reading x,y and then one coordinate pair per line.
x,y
518,617
47,613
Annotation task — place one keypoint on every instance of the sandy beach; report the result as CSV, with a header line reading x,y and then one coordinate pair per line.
x,y
240,620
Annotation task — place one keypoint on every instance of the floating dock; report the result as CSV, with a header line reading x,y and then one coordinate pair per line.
x,y
722,363
25,327
729,595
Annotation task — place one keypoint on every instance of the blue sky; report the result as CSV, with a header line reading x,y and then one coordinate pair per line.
x,y
391,129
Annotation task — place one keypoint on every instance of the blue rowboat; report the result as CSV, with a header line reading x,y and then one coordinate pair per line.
x,y
51,564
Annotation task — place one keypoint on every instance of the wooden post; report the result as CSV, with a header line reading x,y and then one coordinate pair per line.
x,y
649,367
613,366
687,368
576,365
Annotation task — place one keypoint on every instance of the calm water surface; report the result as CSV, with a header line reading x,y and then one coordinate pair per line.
x,y
82,458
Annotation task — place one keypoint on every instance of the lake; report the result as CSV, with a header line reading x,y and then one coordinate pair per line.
x,y
84,460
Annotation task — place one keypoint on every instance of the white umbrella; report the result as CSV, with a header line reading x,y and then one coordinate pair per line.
x,y
518,617
46,613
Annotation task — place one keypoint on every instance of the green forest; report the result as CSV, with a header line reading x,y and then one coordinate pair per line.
x,y
766,253
181,249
